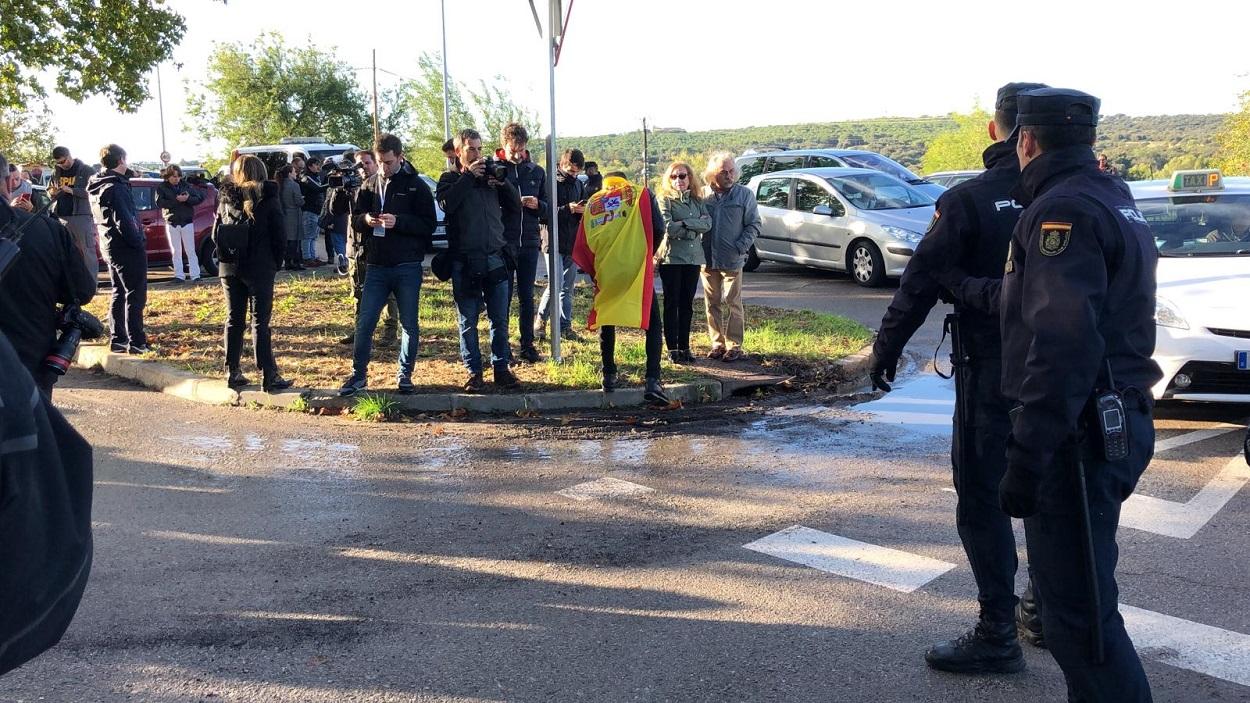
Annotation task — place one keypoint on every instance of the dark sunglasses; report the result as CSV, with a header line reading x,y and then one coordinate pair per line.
x,y
679,176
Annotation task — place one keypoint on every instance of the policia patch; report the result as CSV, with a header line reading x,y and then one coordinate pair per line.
x,y
1055,238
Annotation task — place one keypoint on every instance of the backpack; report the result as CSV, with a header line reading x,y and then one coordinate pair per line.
x,y
231,241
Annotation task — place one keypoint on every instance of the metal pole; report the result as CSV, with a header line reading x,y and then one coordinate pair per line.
x,y
446,107
644,152
160,100
555,277
376,132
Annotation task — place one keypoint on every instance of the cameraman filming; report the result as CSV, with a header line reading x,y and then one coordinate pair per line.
x,y
343,180
51,272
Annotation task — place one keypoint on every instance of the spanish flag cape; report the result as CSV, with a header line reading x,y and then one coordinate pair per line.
x,y
614,246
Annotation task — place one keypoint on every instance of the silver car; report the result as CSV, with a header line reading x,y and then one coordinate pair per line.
x,y
858,220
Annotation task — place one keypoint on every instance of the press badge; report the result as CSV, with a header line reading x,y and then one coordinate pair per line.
x,y
379,231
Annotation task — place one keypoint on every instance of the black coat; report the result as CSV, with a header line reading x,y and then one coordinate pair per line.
x,y
113,207
266,242
409,199
568,190
178,213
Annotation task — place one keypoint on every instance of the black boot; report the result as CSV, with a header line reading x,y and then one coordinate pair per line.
x,y
236,379
988,648
654,394
609,381
274,382
1029,618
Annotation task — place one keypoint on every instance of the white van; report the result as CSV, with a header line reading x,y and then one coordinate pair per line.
x,y
289,147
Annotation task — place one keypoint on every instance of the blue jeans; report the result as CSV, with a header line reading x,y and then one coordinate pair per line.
x,y
526,272
404,282
308,236
469,301
339,235
567,279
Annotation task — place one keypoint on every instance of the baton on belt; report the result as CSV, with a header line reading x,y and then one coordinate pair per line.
x,y
1091,563
961,367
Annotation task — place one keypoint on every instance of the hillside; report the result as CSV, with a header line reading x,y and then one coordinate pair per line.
x,y
1143,145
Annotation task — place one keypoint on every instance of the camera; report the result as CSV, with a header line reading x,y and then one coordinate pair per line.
x,y
74,325
495,169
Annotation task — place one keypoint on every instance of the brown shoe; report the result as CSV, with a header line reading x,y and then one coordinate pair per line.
x,y
475,384
732,355
716,353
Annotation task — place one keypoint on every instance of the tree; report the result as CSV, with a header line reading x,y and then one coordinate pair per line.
x,y
960,148
263,91
26,135
1234,140
95,47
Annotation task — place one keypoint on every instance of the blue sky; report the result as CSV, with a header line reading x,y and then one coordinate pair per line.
x,y
700,64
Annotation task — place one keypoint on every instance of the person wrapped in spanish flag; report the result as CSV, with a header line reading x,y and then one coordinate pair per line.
x,y
615,245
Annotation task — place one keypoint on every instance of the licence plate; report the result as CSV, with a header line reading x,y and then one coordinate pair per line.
x,y
1242,360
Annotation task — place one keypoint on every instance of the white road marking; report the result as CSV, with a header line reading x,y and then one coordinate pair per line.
x,y
606,487
925,404
892,568
1183,520
1209,650
1163,445
184,489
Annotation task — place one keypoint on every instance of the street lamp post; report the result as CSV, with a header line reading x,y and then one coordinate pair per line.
x,y
555,278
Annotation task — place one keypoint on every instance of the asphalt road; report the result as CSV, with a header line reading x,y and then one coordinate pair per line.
x,y
256,556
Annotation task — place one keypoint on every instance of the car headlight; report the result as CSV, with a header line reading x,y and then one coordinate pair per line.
x,y
1168,315
905,235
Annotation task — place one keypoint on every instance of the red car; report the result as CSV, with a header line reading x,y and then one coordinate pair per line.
x,y
153,223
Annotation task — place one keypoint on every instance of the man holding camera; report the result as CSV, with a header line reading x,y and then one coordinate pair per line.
x,y
521,229
51,273
477,199
394,216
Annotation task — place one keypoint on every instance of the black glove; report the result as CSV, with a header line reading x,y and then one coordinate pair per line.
x,y
1017,492
882,371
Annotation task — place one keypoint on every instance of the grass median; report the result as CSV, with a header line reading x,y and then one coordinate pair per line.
x,y
313,311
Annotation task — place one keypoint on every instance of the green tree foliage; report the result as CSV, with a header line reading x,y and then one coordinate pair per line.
x,y
26,135
1234,140
960,148
94,47
265,90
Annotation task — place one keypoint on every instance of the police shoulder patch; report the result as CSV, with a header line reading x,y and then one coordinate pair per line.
x,y
1054,238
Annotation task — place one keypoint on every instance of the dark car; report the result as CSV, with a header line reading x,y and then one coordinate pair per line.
x,y
153,224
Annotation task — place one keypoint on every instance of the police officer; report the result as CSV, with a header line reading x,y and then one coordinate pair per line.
x,y
1077,312
961,258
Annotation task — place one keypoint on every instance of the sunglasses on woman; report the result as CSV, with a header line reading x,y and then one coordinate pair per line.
x,y
679,176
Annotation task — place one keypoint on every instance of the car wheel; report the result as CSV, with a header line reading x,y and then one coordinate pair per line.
x,y
753,260
208,257
865,264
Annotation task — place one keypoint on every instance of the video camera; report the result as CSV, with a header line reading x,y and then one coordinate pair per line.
x,y
75,325
348,177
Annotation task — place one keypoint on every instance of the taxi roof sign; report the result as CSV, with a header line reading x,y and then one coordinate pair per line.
x,y
1196,180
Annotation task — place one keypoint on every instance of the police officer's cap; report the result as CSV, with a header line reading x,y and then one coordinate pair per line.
x,y
1007,95
1057,107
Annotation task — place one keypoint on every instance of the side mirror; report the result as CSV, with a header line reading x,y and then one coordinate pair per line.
x,y
822,210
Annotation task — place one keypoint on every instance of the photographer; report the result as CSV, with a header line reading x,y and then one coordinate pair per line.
x,y
476,200
51,272
343,182
521,229
313,187
394,213
357,266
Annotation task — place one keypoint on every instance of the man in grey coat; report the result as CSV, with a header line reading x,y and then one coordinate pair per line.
x,y
69,189
735,225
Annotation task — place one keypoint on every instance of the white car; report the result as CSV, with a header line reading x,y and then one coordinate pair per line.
x,y
1201,224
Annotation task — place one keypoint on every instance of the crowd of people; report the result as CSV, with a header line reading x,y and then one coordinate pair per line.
x,y
378,225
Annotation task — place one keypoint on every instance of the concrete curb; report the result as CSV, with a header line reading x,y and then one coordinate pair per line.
x,y
199,389
854,370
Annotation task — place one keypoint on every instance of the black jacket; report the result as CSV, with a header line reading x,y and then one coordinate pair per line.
x,y
409,199
76,177
568,190
961,257
50,272
113,207
1078,295
45,517
178,213
476,212
313,188
521,229
266,242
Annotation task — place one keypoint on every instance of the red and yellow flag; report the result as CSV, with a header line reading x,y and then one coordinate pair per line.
x,y
614,246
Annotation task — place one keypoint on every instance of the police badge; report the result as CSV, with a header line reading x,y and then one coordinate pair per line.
x,y
1055,238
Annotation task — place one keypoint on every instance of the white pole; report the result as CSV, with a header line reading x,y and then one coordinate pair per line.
x,y
160,101
555,277
446,108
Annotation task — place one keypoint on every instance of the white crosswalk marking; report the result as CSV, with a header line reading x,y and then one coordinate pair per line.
x,y
1188,438
1183,520
606,487
1223,654
892,568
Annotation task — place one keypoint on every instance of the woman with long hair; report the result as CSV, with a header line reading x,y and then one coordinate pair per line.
x,y
251,199
680,255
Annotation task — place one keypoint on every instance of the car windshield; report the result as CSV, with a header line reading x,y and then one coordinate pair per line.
x,y
877,191
325,154
877,162
1199,225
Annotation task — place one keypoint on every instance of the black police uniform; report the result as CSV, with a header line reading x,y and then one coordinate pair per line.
x,y
961,257
1077,309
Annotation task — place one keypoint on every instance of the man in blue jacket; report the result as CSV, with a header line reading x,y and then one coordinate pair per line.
x,y
521,229
125,248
